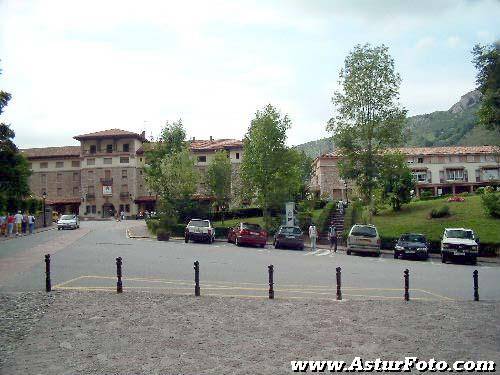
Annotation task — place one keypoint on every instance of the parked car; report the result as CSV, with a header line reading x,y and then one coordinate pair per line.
x,y
363,239
247,234
459,243
68,222
289,236
199,230
412,245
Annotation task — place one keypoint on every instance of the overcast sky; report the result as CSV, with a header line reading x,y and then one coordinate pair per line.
x,y
75,67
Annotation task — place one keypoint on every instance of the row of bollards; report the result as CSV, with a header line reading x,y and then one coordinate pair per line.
x,y
270,268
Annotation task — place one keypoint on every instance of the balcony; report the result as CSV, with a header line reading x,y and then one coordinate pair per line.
x,y
106,181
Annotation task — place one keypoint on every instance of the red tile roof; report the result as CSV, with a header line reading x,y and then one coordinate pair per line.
x,y
51,152
110,133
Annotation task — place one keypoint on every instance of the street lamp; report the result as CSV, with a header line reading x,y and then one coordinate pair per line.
x,y
44,196
346,197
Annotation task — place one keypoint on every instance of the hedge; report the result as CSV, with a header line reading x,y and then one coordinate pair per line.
x,y
237,213
178,229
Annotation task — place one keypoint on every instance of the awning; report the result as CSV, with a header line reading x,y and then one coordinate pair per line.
x,y
56,201
145,199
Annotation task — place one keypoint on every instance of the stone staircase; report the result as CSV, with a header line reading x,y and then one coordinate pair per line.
x,y
338,220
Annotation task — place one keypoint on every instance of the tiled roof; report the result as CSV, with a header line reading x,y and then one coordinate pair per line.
x,y
203,145
109,133
445,150
51,152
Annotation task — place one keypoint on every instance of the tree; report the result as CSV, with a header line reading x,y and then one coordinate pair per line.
x,y
487,62
369,118
396,181
304,163
218,179
269,169
14,169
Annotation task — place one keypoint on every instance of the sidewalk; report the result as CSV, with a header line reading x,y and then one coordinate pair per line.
x,y
38,230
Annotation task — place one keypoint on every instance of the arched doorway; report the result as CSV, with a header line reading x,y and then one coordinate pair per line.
x,y
108,210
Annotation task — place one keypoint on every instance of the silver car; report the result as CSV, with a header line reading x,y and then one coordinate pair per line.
x,y
68,222
363,238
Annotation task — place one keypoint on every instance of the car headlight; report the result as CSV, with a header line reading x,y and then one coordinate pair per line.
x,y
474,248
422,249
397,247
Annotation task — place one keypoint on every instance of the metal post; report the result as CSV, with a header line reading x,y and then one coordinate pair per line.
x,y
407,284
339,283
475,276
44,214
197,279
119,287
48,285
271,281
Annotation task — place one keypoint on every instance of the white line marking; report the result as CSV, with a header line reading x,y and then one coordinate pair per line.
x,y
313,252
327,252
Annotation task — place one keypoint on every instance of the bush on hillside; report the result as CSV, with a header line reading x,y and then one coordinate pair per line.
x,y
480,190
442,211
324,217
491,202
426,195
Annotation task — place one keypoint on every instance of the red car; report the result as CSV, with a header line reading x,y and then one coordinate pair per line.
x,y
247,234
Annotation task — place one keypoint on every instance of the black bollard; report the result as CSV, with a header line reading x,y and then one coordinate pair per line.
x,y
48,285
197,279
339,283
407,284
271,281
475,276
119,287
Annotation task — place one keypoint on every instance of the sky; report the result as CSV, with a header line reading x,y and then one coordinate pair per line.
x,y
75,67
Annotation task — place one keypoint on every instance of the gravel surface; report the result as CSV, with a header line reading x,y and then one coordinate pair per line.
x,y
153,333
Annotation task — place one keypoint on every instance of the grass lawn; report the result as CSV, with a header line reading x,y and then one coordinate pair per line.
x,y
234,222
414,218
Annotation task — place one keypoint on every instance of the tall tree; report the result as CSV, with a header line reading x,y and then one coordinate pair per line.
x,y
269,169
14,170
396,180
487,62
368,116
218,179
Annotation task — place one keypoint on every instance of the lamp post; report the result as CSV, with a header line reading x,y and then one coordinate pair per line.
x,y
44,196
346,197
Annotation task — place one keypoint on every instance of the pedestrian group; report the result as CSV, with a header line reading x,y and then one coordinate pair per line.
x,y
16,224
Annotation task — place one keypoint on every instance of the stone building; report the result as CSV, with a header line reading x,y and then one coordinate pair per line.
x,y
440,170
105,174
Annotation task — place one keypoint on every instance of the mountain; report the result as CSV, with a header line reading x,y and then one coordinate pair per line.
x,y
454,127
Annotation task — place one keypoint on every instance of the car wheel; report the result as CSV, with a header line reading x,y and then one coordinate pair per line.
x,y
58,228
348,252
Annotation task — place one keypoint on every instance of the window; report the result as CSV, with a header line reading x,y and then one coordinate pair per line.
x,y
44,164
59,177
420,160
124,188
410,161
140,172
127,208
237,155
140,159
109,149
87,210
124,173
93,209
76,191
124,160
75,163
107,174
59,192
59,164
43,179
90,176
202,159
76,176
490,174
420,176
455,174
90,161
93,149
126,147
108,160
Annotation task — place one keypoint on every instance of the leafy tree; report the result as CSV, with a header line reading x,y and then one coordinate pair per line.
x,y
304,163
368,117
269,169
487,62
218,179
396,181
14,170
491,202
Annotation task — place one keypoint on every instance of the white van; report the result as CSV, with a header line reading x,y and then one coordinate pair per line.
x,y
363,238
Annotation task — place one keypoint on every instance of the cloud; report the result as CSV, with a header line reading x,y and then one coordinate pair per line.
x,y
453,41
425,43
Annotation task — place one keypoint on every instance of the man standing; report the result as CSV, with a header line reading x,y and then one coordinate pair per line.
x,y
19,221
313,234
31,223
332,236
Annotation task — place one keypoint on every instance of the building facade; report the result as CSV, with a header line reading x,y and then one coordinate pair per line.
x,y
105,174
440,170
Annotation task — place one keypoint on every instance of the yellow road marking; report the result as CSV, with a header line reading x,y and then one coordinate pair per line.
x,y
67,282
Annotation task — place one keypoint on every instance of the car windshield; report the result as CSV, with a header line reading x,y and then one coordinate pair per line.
x,y
199,223
255,227
290,230
363,231
412,238
67,217
457,233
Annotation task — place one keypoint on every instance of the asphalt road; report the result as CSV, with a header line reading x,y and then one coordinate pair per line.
x,y
84,259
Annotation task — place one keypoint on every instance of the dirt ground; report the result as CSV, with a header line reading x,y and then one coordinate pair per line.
x,y
150,333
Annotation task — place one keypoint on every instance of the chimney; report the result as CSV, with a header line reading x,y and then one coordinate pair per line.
x,y
211,139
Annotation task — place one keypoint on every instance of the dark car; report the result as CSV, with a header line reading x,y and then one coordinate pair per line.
x,y
412,245
247,234
289,236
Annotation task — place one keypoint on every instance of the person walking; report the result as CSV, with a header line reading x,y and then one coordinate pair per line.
x,y
24,224
10,224
332,236
19,222
31,223
3,224
313,235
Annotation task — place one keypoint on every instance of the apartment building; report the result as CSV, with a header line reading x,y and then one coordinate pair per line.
x,y
105,174
440,170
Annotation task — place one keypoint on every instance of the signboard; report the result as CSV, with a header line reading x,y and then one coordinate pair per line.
x,y
107,190
289,207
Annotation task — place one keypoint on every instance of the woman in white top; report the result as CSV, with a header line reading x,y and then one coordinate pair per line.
x,y
313,234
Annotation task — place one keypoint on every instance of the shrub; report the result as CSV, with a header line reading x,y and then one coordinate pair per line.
x,y
426,195
153,225
442,211
324,217
162,234
480,190
491,202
